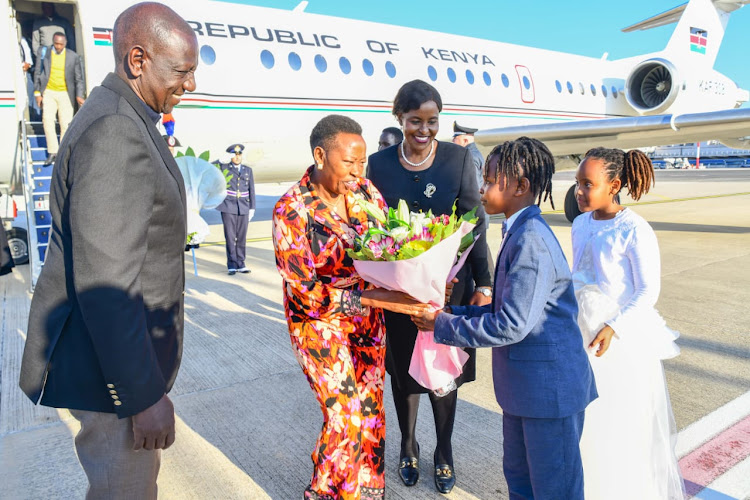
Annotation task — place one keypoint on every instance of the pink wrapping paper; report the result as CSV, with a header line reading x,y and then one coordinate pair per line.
x,y
433,365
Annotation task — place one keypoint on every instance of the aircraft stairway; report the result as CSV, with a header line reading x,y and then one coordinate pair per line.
x,y
36,186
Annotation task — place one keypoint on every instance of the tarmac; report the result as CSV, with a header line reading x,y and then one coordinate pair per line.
x,y
247,419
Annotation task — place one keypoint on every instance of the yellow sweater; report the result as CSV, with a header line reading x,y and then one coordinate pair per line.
x,y
57,73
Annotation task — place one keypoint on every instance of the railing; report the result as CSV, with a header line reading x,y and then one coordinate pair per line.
x,y
27,173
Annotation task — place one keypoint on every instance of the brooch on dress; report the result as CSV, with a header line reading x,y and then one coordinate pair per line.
x,y
430,190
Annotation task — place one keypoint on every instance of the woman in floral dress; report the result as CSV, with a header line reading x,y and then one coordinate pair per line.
x,y
335,319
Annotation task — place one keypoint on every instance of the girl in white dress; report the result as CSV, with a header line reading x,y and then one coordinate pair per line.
x,y
629,433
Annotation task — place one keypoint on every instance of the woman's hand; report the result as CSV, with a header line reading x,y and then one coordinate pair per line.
x,y
601,342
397,302
449,289
425,321
479,299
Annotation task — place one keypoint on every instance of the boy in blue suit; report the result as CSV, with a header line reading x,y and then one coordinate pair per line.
x,y
543,380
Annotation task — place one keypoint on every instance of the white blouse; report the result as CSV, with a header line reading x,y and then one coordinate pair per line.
x,y
621,257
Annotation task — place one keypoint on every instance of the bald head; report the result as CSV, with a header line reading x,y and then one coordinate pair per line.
x,y
156,54
149,24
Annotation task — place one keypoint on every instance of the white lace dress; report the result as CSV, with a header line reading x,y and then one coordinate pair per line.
x,y
629,433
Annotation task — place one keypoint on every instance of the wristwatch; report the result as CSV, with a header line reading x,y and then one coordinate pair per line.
x,y
484,290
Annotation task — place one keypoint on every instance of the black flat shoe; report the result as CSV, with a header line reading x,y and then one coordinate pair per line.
x,y
408,470
445,478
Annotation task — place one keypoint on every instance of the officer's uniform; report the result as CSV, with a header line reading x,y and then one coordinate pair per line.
x,y
236,210
476,155
478,161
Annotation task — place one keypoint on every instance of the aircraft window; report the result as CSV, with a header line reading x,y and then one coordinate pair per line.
x,y
526,82
604,90
451,75
558,86
294,61
432,73
570,88
345,65
614,92
390,69
267,59
208,55
580,88
487,79
470,77
320,63
593,89
367,66
505,80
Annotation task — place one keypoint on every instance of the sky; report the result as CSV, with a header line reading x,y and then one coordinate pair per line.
x,y
584,27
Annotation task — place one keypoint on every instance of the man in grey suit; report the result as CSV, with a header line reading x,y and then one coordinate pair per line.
x,y
105,327
46,26
58,85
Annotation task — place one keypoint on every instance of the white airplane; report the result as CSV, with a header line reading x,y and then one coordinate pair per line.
x,y
266,76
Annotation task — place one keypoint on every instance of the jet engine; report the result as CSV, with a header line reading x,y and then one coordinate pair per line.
x,y
652,86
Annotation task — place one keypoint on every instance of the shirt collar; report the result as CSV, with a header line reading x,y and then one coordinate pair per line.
x,y
153,115
510,220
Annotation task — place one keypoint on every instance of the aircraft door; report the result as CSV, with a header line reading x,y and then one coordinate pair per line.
x,y
526,83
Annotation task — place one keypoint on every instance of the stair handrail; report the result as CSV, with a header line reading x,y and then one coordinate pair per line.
x,y
27,168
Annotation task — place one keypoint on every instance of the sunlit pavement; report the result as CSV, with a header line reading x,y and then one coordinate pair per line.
x,y
247,420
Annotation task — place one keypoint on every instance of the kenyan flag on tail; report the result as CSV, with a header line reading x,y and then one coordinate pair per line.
x,y
103,36
698,40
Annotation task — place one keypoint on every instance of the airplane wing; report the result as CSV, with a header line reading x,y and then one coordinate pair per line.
x,y
730,127
673,15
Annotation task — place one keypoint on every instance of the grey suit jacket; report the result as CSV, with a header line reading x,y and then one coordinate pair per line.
x,y
106,319
539,364
73,74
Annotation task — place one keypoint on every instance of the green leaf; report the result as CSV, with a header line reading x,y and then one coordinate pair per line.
x,y
179,153
189,152
393,223
205,156
467,240
470,216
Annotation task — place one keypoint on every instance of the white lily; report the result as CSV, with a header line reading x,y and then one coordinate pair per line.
x,y
402,213
399,233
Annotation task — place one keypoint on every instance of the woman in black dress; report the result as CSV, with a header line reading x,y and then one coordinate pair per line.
x,y
429,175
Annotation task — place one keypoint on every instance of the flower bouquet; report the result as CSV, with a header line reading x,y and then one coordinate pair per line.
x,y
418,253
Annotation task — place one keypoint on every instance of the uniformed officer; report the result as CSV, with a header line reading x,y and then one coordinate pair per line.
x,y
464,136
237,208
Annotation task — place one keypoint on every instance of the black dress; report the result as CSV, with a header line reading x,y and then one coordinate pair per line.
x,y
6,258
451,177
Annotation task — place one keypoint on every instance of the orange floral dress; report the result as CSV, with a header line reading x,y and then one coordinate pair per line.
x,y
341,350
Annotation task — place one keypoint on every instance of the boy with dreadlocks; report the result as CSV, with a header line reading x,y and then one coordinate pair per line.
x,y
629,430
543,380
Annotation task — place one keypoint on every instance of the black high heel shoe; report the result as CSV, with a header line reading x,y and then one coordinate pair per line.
x,y
445,477
408,469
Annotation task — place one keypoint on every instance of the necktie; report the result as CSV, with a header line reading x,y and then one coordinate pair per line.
x,y
505,227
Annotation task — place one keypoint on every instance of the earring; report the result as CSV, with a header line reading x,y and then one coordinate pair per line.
x,y
320,166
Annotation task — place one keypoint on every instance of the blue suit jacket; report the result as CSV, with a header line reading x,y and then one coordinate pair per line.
x,y
539,365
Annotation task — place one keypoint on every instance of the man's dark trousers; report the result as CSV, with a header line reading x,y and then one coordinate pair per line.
x,y
235,234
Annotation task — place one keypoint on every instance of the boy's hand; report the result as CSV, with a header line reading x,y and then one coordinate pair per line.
x,y
601,342
426,321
